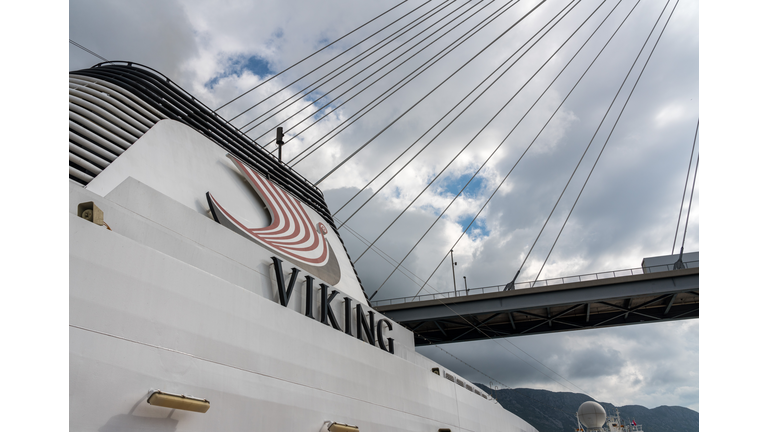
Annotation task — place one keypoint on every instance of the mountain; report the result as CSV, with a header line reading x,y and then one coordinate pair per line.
x,y
556,411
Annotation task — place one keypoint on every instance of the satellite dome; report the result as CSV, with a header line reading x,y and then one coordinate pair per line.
x,y
591,415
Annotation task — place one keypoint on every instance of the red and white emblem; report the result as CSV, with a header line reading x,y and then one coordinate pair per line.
x,y
291,232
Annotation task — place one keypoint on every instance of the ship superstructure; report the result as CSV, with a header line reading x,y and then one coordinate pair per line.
x,y
614,423
210,290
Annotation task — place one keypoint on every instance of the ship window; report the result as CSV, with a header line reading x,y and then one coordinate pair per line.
x,y
450,377
443,430
436,371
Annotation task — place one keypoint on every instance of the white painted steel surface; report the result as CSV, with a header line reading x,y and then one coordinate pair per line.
x,y
182,164
168,299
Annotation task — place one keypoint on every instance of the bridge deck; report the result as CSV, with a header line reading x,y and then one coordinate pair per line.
x,y
652,297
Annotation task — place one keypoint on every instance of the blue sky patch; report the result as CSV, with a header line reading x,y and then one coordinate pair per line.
x,y
454,185
255,64
478,228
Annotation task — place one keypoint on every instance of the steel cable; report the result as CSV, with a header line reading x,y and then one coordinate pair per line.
x,y
435,125
518,123
476,135
346,66
591,140
382,95
425,96
371,74
613,128
529,147
352,119
86,50
321,49
690,204
685,188
387,258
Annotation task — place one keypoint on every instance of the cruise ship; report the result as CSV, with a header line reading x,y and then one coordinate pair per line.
x,y
209,288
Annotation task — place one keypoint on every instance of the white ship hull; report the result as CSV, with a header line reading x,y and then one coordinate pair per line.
x,y
168,299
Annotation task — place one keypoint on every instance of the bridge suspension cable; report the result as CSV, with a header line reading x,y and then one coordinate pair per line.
x,y
438,122
312,55
318,110
513,129
637,80
424,97
690,203
487,201
389,92
387,258
86,50
354,61
382,96
685,188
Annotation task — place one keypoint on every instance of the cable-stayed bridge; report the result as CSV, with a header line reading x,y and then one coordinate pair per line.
x,y
616,298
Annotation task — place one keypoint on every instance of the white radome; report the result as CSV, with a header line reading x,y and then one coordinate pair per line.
x,y
591,414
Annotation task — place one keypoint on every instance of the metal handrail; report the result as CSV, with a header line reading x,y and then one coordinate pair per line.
x,y
534,284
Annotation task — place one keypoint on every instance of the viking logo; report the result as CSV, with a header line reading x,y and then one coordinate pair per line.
x,y
291,233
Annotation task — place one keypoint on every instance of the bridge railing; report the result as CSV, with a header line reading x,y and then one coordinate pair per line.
x,y
535,284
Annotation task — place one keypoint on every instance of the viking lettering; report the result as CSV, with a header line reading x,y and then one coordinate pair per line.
x,y
380,334
348,316
308,296
285,295
367,330
326,312
363,326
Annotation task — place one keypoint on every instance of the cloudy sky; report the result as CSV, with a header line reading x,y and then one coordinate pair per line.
x,y
628,209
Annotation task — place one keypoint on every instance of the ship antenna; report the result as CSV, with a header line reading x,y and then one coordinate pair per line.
x,y
279,142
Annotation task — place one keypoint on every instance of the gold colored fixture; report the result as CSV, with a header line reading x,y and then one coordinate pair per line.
x,y
339,427
175,401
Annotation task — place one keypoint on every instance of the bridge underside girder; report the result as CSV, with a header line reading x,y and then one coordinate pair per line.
x,y
656,297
